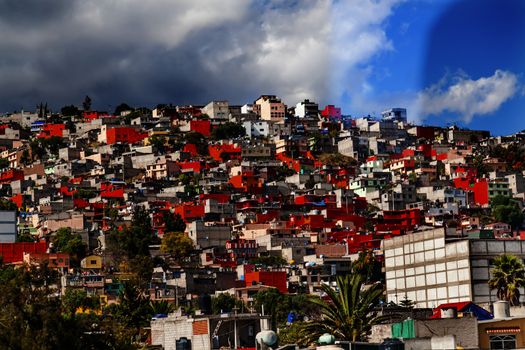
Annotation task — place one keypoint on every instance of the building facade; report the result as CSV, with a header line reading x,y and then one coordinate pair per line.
x,y
430,269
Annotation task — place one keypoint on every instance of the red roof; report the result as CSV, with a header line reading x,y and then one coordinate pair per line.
x,y
458,306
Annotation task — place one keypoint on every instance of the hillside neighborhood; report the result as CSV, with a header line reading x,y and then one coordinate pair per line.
x,y
263,225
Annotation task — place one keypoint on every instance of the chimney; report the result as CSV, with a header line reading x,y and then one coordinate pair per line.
x,y
501,309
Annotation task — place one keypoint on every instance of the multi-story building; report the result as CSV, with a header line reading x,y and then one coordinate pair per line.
x,y
217,110
395,114
270,107
430,269
209,234
306,108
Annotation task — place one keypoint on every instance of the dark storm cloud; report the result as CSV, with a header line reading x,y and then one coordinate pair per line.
x,y
37,12
145,53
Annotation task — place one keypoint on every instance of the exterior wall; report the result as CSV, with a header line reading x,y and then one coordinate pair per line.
x,y
91,262
167,331
75,222
482,252
257,129
464,329
217,110
8,227
484,337
270,108
423,268
275,279
209,236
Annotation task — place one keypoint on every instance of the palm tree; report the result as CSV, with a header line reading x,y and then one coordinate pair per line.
x,y
348,314
508,275
161,307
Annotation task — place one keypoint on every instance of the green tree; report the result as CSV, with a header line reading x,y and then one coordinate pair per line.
x,y
4,162
158,142
65,241
122,108
508,275
142,267
507,210
86,104
32,317
70,111
197,139
292,334
269,261
225,302
177,244
161,307
75,298
133,309
25,237
173,222
25,159
272,301
367,266
349,313
228,130
133,240
407,303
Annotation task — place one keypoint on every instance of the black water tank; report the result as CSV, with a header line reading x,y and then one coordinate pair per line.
x,y
392,344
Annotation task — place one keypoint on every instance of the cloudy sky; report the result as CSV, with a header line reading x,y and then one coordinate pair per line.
x,y
447,61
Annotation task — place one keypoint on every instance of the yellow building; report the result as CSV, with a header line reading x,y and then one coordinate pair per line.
x,y
507,333
92,262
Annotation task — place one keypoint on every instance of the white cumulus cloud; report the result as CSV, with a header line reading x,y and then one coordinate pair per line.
x,y
468,97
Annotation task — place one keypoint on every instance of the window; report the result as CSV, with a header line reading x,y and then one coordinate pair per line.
x,y
503,342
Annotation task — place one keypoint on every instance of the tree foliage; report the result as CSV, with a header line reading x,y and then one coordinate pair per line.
x,y
65,241
228,130
507,210
197,139
508,275
279,305
225,302
173,222
269,261
70,111
86,104
135,239
32,316
347,311
177,244
122,108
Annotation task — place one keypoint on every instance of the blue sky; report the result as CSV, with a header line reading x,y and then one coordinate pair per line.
x,y
436,45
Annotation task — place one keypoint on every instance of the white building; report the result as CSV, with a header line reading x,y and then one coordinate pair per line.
x,y
306,108
259,128
217,110
431,270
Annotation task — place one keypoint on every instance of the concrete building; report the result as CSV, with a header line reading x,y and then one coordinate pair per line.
x,y
217,110
306,108
209,234
395,114
259,128
430,269
270,107
207,332
516,183
8,226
